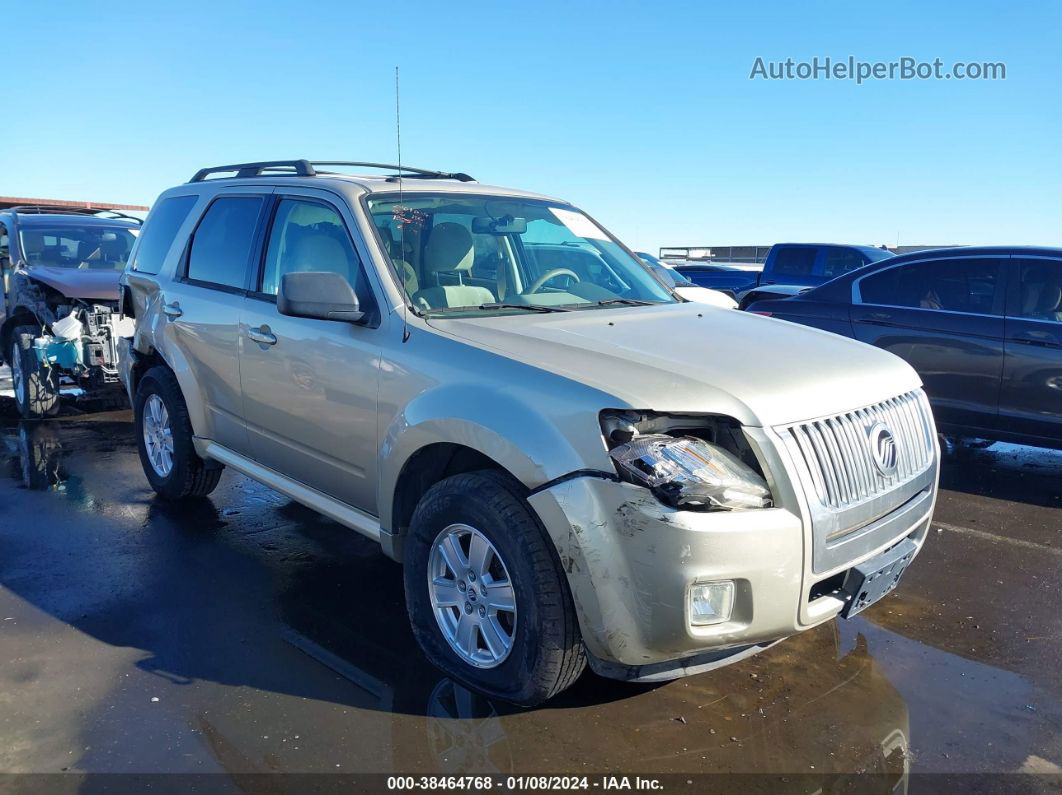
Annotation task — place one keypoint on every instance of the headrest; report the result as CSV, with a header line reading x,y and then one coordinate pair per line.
x,y
114,246
449,249
1050,298
320,252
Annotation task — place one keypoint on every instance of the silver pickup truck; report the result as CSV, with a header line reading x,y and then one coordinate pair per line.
x,y
573,464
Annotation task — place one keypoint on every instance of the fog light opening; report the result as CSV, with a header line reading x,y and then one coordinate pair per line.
x,y
711,603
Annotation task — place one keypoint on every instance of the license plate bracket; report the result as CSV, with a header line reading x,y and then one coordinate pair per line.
x,y
872,579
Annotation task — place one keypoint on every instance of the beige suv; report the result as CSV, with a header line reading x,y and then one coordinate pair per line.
x,y
573,464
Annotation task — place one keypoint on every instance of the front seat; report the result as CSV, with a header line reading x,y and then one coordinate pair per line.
x,y
450,250
1050,303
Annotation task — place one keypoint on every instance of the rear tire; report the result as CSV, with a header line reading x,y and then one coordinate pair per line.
x,y
164,440
545,651
36,386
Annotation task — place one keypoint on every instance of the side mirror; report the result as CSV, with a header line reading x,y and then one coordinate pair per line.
x,y
318,294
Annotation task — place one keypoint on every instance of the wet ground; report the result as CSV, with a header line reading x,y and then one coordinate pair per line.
x,y
246,634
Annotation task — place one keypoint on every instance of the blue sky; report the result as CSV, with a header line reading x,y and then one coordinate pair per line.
x,y
642,113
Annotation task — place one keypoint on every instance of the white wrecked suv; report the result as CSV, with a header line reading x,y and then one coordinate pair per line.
x,y
573,464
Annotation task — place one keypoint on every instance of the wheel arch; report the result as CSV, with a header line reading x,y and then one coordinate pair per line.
x,y
416,455
426,467
21,316
147,356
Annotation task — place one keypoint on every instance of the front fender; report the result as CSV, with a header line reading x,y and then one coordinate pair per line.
x,y
529,441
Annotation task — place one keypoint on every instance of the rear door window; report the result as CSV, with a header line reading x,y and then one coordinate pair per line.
x,y
796,261
222,244
159,232
841,260
955,285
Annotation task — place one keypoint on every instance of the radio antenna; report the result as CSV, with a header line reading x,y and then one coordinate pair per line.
x,y
401,226
398,134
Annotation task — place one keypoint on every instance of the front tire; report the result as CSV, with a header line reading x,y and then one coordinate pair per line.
x,y
486,596
164,440
36,386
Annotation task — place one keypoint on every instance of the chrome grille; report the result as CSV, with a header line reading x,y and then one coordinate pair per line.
x,y
838,456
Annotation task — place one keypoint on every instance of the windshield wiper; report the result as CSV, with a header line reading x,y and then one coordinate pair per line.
x,y
626,301
527,307
530,307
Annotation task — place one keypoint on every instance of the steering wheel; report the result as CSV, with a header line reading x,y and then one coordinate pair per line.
x,y
545,277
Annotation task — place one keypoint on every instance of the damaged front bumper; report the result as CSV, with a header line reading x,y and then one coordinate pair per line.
x,y
631,562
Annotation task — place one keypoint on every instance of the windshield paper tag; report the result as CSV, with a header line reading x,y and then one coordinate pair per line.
x,y
578,224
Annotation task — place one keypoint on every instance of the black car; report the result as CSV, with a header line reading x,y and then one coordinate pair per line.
x,y
982,326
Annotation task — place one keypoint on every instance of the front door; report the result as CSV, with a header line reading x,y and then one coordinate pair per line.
x,y
945,318
310,386
1031,400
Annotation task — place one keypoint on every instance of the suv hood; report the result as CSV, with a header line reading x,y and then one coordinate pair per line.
x,y
74,283
690,358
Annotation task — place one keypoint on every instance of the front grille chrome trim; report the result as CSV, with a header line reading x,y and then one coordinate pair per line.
x,y
836,454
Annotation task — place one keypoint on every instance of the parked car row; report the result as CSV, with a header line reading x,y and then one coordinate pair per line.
x,y
982,326
684,287
790,269
574,465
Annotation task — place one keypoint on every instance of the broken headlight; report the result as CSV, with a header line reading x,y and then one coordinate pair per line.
x,y
687,472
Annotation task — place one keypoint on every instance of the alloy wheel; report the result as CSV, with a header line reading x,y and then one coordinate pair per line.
x,y
472,596
158,436
18,378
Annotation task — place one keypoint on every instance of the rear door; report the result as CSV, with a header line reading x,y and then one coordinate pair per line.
x,y
202,305
945,317
1031,398
310,386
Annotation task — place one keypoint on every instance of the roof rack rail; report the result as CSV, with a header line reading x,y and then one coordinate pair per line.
x,y
306,168
407,172
55,209
300,168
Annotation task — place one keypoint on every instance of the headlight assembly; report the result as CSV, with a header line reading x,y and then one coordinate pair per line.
x,y
687,472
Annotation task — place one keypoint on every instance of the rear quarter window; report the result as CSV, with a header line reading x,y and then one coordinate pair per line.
x,y
159,231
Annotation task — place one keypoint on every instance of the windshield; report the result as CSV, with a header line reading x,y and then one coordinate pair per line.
x,y
94,246
877,254
474,254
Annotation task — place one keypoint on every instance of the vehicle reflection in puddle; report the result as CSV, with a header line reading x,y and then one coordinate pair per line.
x,y
287,639
35,456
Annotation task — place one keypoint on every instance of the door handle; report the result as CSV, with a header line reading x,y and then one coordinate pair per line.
x,y
878,318
1036,343
262,335
172,310
1040,337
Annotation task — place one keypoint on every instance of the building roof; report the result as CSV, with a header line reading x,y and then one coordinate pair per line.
x,y
12,201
